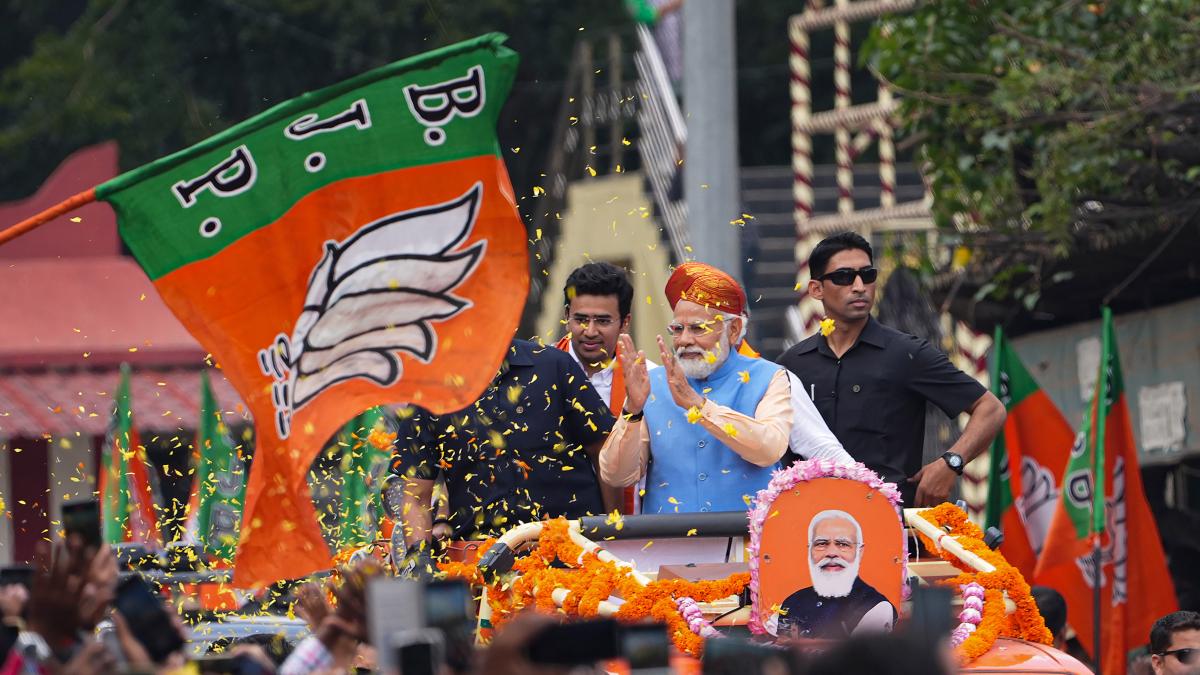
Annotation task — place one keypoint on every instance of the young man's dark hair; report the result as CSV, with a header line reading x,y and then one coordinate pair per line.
x,y
1053,608
1163,631
830,246
600,278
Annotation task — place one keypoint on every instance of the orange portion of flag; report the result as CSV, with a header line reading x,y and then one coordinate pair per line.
x,y
242,302
1137,587
1038,441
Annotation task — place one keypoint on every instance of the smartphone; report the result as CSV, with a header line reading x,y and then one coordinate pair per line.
x,y
732,656
418,652
147,618
646,648
577,643
82,520
450,608
394,606
16,574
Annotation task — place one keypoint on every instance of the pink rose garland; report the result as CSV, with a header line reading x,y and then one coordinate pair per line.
x,y
971,614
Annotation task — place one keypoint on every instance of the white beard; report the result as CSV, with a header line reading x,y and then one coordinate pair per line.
x,y
832,584
700,368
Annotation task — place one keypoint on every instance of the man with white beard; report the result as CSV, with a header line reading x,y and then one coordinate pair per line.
x,y
839,603
709,426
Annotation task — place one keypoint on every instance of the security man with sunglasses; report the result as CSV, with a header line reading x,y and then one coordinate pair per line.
x,y
871,382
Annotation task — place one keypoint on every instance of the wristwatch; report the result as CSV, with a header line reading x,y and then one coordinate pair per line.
x,y
954,461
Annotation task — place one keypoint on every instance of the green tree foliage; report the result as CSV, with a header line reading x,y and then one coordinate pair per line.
x,y
158,76
1051,124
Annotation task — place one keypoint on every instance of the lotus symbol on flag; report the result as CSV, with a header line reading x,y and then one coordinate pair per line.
x,y
372,296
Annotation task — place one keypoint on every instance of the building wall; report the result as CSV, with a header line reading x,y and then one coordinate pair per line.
x,y
1159,357
72,474
610,218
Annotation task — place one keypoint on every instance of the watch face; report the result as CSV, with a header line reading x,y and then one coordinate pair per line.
x,y
955,461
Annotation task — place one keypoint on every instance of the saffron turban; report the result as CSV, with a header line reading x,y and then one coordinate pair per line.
x,y
705,285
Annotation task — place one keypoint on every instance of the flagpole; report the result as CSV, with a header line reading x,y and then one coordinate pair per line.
x,y
66,206
1100,463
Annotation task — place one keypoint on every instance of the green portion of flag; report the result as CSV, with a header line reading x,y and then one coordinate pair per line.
x,y
1083,482
114,466
363,462
221,476
431,108
1012,384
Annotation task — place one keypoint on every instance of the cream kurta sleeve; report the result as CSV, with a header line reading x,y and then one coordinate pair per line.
x,y
762,439
625,453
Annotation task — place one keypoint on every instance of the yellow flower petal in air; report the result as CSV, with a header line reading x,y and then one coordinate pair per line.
x,y
827,326
672,500
728,429
693,415
710,357
744,375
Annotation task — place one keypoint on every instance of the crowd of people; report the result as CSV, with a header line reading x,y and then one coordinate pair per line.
x,y
69,620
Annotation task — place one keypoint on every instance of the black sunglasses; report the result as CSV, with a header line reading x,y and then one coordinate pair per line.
x,y
1186,655
845,276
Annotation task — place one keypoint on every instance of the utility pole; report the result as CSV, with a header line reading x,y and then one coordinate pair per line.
x,y
710,168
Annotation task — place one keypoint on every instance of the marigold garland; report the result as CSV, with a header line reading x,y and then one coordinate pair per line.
x,y
1025,623
591,581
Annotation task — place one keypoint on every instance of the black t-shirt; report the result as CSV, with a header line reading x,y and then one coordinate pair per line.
x,y
873,398
516,454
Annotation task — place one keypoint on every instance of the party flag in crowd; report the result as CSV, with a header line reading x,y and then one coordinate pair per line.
x,y
1134,587
219,489
354,246
1027,459
128,512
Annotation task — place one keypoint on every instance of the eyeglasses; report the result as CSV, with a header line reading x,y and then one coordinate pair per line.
x,y
1186,655
599,320
845,276
694,329
842,545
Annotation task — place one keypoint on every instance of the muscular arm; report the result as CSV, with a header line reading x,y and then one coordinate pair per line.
x,y
935,479
987,417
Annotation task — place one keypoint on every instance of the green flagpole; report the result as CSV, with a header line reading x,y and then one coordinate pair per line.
x,y
997,501
1103,393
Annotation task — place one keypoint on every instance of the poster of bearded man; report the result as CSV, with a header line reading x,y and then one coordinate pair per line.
x,y
843,575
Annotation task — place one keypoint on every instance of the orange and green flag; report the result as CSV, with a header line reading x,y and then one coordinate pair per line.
x,y
355,246
127,511
1134,586
1027,459
219,488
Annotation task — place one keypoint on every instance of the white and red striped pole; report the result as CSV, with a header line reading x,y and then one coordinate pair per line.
x,y
841,103
802,163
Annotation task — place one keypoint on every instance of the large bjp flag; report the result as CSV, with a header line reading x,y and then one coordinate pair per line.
x,y
1027,459
1103,503
355,246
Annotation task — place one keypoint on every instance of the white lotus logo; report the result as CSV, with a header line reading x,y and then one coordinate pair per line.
x,y
371,297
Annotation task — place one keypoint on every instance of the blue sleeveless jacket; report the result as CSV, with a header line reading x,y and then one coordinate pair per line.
x,y
686,462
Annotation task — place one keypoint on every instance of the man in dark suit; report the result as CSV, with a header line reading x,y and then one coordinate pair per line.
x,y
839,603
